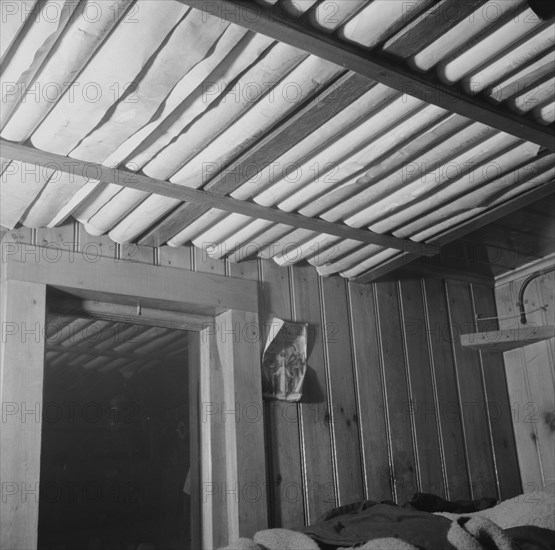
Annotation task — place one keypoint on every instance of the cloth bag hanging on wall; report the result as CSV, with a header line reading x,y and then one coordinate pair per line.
x,y
284,360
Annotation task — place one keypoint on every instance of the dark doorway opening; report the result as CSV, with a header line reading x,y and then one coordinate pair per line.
x,y
116,449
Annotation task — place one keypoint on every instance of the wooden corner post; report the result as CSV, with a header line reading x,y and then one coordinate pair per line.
x,y
21,376
234,489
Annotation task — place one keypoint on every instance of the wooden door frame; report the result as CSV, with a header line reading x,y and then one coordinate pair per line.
x,y
223,314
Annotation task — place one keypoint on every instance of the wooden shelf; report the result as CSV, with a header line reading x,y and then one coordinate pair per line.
x,y
505,340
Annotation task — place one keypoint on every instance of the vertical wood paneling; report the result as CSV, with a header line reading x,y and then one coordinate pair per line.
x,y
206,264
546,292
369,383
131,252
398,400
62,238
92,247
497,398
381,414
320,494
348,468
539,366
244,270
175,257
472,398
519,395
438,330
423,404
282,427
530,377
21,235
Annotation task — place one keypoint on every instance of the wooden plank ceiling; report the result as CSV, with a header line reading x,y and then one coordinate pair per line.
x,y
355,135
499,248
83,353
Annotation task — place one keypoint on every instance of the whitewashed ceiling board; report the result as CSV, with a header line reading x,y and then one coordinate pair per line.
x,y
406,153
206,80
477,22
523,79
270,69
431,160
108,76
468,167
114,202
510,60
252,86
220,230
20,70
545,113
379,19
56,192
330,14
196,227
239,238
495,192
14,16
194,34
311,75
372,262
20,183
540,91
81,38
479,175
251,248
398,126
155,135
352,254
346,121
296,174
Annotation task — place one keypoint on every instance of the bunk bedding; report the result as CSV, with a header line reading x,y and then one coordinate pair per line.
x,y
427,522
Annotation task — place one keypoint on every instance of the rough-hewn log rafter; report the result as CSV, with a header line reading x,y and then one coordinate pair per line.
x,y
140,182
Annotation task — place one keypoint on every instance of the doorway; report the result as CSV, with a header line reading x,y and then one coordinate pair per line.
x,y
222,315
116,448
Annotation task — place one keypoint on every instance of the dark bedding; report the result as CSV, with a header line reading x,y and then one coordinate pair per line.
x,y
529,537
377,520
413,523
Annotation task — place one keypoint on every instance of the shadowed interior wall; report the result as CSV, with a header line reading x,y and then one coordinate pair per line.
x,y
392,403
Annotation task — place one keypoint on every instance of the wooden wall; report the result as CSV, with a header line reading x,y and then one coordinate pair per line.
x,y
504,245
531,374
392,404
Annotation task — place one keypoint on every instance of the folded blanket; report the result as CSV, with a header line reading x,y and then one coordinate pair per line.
x,y
389,543
535,508
478,533
275,539
465,533
378,526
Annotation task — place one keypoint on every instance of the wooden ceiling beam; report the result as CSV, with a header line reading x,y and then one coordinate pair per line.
x,y
465,228
208,199
122,313
427,87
